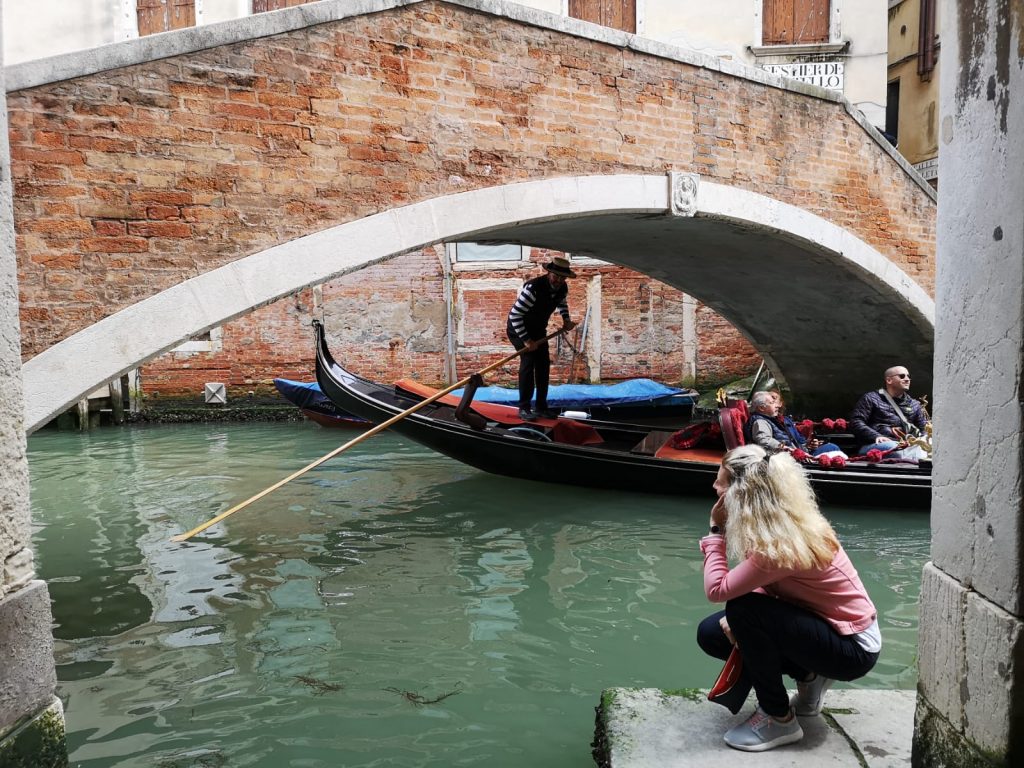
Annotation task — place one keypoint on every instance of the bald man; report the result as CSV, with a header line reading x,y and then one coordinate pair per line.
x,y
880,412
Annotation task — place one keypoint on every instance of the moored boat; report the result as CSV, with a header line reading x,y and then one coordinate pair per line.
x,y
590,453
315,406
634,398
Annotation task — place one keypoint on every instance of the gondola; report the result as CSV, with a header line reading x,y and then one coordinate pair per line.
x,y
315,406
591,453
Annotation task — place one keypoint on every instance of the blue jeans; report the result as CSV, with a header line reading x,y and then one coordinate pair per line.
x,y
825,448
911,452
777,638
886,446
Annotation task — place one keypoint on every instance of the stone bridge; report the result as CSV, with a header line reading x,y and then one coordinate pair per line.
x,y
165,185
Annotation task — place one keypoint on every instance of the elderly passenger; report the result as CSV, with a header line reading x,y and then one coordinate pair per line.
x,y
774,432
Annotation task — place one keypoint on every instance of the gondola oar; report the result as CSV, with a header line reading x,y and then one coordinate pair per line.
x,y
350,443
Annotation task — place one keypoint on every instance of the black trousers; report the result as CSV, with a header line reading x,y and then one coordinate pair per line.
x,y
534,372
777,638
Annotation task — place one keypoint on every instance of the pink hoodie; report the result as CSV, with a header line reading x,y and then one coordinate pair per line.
x,y
835,592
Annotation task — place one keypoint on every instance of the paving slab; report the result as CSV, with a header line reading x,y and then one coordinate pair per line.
x,y
880,723
651,728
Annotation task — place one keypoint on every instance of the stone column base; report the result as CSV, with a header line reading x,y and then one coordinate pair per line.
x,y
938,744
37,742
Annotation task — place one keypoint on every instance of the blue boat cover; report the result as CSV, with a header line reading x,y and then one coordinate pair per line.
x,y
304,394
635,391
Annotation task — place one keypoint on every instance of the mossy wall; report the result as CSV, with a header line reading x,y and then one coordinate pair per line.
x,y
937,744
37,742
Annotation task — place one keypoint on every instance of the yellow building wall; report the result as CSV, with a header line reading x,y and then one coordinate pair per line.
x,y
919,99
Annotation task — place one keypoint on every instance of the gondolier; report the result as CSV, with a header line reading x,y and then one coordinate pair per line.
x,y
527,326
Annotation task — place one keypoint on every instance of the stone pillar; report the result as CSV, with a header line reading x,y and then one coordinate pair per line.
x,y
31,719
970,709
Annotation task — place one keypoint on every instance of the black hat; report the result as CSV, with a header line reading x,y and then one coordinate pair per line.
x,y
560,266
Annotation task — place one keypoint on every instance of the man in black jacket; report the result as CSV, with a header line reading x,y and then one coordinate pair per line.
x,y
528,326
880,412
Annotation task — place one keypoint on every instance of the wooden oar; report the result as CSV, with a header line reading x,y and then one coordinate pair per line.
x,y
350,443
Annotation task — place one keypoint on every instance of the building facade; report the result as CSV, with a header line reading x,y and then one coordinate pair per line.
x,y
912,101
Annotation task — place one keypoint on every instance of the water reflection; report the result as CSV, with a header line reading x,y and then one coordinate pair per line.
x,y
289,634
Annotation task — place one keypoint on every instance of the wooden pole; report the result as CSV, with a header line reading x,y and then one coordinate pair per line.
x,y
116,401
355,441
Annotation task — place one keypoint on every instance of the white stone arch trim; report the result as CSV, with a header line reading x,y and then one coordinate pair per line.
x,y
744,207
58,376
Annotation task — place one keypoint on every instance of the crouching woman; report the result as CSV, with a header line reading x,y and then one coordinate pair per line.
x,y
794,604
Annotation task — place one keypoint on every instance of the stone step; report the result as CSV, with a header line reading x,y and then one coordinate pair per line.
x,y
651,728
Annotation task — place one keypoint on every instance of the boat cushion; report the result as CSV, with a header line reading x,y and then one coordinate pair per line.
x,y
574,433
699,433
733,418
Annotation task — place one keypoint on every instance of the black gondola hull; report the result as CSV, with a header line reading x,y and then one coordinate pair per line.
x,y
518,456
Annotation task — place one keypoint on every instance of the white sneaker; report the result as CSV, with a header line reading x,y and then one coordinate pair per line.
x,y
762,732
810,696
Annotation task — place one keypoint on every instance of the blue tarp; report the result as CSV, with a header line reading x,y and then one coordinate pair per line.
x,y
304,394
634,391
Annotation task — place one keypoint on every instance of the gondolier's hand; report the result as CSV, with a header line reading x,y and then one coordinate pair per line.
x,y
568,325
531,345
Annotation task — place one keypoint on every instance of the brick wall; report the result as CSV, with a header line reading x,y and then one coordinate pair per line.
x,y
390,321
129,181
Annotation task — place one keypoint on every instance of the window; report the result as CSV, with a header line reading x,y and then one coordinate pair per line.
x,y
617,14
892,112
164,15
211,341
479,252
794,22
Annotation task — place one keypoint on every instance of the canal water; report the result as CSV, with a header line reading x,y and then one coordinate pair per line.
x,y
390,608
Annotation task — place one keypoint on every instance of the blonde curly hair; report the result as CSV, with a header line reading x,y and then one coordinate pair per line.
x,y
772,512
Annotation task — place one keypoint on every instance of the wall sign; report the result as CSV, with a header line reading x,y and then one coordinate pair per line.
x,y
826,74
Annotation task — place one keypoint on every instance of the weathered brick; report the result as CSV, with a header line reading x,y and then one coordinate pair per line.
x,y
114,244
159,229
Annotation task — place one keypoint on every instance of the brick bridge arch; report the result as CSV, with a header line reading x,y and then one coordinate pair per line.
x,y
147,164
669,224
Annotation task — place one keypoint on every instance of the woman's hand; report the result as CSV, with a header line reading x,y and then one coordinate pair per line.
x,y
718,513
724,624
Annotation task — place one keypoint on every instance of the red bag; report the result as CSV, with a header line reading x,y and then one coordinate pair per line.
x,y
732,687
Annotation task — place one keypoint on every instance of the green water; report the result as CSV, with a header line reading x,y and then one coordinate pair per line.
x,y
287,635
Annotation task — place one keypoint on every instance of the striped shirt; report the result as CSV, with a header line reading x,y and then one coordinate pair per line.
x,y
534,305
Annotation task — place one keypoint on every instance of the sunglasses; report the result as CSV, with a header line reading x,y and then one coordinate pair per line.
x,y
901,375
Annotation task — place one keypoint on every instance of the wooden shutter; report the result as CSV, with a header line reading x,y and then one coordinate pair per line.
x,y
786,22
164,15
262,6
617,14
776,22
810,21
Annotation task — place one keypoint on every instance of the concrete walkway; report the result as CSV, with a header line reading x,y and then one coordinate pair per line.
x,y
648,728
